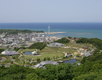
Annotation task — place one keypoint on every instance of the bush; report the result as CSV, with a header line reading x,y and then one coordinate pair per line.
x,y
78,55
15,56
38,46
63,40
11,62
1,50
45,59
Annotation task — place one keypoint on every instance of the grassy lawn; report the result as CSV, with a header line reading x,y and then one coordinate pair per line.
x,y
45,55
51,52
54,51
79,45
73,45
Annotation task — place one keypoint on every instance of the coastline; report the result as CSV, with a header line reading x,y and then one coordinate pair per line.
x,y
54,32
51,33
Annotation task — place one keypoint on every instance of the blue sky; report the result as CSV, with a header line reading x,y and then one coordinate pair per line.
x,y
21,11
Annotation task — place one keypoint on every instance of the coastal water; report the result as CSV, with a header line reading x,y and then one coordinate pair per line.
x,y
88,30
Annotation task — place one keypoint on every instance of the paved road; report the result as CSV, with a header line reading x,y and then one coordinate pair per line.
x,y
3,59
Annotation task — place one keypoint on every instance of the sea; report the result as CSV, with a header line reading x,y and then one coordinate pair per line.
x,y
86,30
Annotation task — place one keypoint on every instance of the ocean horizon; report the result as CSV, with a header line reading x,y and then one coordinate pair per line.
x,y
87,30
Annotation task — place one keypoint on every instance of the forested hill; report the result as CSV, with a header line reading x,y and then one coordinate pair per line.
x,y
15,31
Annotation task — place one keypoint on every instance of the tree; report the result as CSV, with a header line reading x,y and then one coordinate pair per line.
x,y
37,46
69,37
1,50
63,40
32,76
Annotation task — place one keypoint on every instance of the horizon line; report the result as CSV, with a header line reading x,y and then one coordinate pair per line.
x,y
50,22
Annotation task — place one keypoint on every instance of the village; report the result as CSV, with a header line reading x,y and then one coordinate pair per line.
x,y
53,51
19,40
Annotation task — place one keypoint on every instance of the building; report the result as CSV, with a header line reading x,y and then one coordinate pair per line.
x,y
14,44
67,54
86,54
43,63
9,53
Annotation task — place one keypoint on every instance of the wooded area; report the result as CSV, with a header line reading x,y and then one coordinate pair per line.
x,y
63,40
39,45
16,31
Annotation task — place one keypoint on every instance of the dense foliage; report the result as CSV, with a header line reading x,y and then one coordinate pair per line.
x,y
94,41
14,73
1,50
38,45
16,31
91,67
63,40
69,37
60,72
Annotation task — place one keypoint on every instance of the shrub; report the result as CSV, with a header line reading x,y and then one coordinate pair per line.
x,y
78,55
63,40
37,46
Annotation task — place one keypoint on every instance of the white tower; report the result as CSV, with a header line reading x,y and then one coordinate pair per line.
x,y
48,29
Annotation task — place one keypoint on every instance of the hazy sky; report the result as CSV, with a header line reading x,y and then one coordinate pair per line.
x,y
50,11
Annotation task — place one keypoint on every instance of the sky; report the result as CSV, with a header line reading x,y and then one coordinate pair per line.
x,y
26,11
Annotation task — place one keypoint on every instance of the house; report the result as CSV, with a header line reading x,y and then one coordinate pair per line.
x,y
43,63
53,38
86,54
55,44
67,54
9,53
34,39
85,47
72,40
0,45
6,45
14,44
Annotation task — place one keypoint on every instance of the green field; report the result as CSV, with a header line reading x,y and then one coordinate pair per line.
x,y
51,52
79,45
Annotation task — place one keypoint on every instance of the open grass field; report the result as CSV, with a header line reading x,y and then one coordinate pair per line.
x,y
56,50
73,45
79,45
45,55
51,52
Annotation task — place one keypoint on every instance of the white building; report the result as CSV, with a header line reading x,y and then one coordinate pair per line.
x,y
43,63
14,44
9,53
